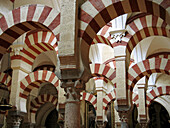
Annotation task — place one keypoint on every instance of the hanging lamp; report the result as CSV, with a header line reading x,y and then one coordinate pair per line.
x,y
4,106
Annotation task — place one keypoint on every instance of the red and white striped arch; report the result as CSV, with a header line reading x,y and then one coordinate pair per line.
x,y
156,92
108,98
101,39
6,80
42,36
39,101
111,63
105,31
101,78
35,44
90,98
103,70
95,14
34,80
160,55
135,99
146,68
142,28
24,19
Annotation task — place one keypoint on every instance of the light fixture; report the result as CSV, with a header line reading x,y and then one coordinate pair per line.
x,y
4,106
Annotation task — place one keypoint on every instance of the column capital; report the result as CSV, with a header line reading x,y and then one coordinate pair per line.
x,y
14,120
77,84
17,48
118,34
123,116
72,89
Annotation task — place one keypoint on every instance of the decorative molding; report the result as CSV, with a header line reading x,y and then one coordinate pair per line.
x,y
118,34
17,48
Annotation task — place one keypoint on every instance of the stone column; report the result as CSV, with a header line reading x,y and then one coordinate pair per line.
x,y
121,89
14,119
68,35
122,96
123,117
70,64
72,106
142,112
2,115
19,72
61,104
101,88
29,125
29,122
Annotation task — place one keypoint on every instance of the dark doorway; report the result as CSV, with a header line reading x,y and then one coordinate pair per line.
x,y
52,118
158,116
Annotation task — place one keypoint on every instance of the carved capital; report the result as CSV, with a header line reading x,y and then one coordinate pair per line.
x,y
123,116
16,48
118,34
16,120
73,89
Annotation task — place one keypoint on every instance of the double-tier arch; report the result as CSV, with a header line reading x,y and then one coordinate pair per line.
x,y
24,19
39,101
146,68
101,39
34,80
35,44
93,17
142,28
90,98
156,92
108,98
103,70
